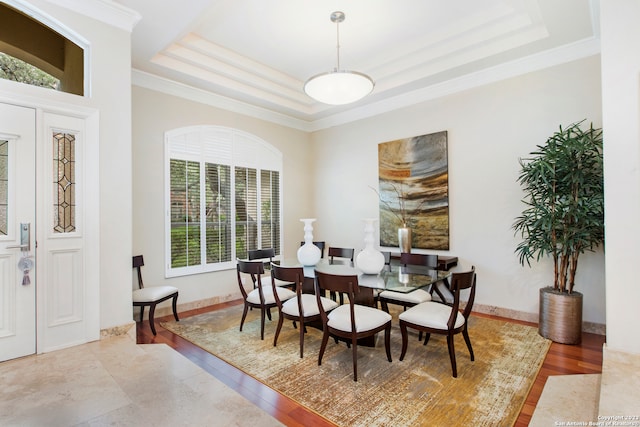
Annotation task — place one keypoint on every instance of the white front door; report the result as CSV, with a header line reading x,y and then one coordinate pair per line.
x,y
17,207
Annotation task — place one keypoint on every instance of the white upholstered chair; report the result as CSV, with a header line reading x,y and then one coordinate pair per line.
x,y
303,308
152,295
349,322
439,318
261,296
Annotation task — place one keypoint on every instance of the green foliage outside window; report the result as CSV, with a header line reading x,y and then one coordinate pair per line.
x,y
16,70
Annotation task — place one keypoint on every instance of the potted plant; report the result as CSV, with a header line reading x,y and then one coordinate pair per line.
x,y
563,218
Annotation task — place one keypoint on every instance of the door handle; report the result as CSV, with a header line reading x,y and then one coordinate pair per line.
x,y
25,238
23,247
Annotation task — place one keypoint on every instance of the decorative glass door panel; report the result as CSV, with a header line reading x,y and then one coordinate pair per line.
x,y
64,164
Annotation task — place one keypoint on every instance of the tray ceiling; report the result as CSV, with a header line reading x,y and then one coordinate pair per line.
x,y
253,56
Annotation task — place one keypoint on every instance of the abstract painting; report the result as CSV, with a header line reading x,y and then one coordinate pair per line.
x,y
413,184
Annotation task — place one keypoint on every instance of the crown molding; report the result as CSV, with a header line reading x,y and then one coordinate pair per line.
x,y
105,11
170,87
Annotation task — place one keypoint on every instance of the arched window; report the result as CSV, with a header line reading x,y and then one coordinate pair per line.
x,y
33,53
223,198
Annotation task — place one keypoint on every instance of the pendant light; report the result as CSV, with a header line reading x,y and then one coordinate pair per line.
x,y
338,87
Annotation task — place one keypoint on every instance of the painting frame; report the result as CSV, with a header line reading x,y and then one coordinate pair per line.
x,y
413,185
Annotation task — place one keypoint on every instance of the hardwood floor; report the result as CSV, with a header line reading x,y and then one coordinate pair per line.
x,y
585,358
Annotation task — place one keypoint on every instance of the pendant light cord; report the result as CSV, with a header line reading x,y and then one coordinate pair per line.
x,y
337,45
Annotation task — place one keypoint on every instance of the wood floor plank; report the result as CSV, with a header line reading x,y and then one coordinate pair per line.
x,y
585,358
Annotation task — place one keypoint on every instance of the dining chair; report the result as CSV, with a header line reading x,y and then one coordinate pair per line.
x,y
302,308
262,296
429,263
320,246
387,267
152,295
349,322
335,252
346,253
433,317
266,256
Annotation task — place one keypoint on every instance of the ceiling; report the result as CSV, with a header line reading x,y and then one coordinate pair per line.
x,y
253,56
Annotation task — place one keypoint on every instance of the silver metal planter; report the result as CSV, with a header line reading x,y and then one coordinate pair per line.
x,y
560,316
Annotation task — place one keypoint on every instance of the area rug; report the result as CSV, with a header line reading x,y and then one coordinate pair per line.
x,y
418,391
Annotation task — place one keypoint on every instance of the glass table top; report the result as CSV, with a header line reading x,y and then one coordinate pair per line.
x,y
398,279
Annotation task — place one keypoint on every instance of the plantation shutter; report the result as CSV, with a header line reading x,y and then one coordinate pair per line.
x,y
224,198
185,213
270,203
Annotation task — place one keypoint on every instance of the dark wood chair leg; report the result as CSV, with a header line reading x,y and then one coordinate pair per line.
x,y
323,346
405,339
302,331
426,338
387,341
452,355
262,315
275,338
152,311
141,313
244,315
384,306
465,334
354,346
174,304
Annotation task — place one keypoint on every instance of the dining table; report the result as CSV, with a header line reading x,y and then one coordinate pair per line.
x,y
393,277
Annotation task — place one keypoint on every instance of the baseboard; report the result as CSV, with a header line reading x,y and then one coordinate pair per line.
x,y
590,327
182,307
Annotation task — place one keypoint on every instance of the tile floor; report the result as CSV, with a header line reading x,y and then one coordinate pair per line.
x,y
608,399
115,382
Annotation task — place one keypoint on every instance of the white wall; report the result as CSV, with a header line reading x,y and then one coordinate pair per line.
x,y
153,114
489,128
621,117
110,95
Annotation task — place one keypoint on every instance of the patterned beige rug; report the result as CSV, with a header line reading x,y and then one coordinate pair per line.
x,y
418,391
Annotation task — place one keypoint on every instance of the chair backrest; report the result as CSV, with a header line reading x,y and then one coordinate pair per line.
x,y
459,282
138,261
423,262
338,283
320,246
293,275
341,253
254,269
267,253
